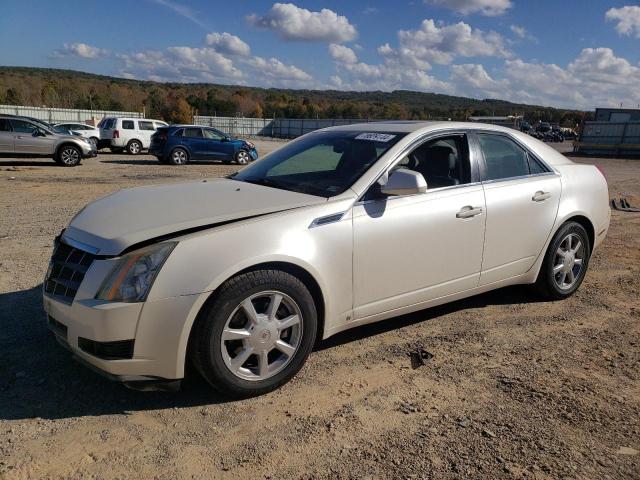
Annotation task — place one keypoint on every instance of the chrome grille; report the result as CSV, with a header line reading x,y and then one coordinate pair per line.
x,y
66,271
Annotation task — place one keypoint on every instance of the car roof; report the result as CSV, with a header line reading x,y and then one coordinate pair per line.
x,y
415,129
410,126
136,118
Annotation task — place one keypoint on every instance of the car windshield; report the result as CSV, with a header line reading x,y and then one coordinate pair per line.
x,y
322,163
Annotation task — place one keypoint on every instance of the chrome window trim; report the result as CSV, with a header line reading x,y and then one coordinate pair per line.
x,y
433,190
520,177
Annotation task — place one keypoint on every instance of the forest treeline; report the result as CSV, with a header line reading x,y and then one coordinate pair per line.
x,y
178,102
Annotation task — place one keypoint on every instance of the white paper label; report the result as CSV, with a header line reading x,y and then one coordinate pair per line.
x,y
375,137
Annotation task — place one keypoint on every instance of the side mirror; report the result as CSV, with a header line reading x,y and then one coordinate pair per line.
x,y
404,182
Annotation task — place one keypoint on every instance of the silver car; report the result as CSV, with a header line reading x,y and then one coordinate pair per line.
x,y
338,228
26,137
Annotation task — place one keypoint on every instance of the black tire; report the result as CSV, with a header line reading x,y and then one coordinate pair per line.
x,y
206,337
178,156
134,147
242,157
547,283
68,156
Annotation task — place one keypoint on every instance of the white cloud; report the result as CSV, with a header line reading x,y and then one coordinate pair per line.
x,y
490,8
595,78
342,54
432,43
386,76
226,43
274,70
188,64
520,32
473,80
628,19
294,23
81,50
191,64
601,65
370,10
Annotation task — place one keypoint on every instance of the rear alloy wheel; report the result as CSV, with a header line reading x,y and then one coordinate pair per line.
x,y
565,263
242,157
179,156
134,147
256,334
69,156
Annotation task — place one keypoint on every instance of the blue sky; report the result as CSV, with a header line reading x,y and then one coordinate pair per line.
x,y
578,53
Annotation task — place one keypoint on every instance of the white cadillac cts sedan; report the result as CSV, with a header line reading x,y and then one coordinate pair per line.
x,y
338,228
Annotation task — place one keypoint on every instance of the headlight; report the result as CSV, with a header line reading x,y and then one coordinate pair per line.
x,y
133,275
249,144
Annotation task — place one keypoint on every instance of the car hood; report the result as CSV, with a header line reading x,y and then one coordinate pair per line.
x,y
116,222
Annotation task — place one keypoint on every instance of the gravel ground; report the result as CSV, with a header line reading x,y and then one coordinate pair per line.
x,y
516,388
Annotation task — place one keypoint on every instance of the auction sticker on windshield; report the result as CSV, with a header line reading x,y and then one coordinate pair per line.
x,y
375,137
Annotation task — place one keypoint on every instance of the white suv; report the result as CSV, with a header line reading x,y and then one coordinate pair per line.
x,y
132,134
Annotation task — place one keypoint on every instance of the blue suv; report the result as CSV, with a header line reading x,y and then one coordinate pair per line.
x,y
179,144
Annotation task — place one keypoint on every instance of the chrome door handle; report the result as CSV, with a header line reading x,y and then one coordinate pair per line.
x,y
468,212
541,196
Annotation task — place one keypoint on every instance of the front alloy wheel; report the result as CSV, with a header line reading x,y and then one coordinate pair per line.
x,y
69,156
255,333
242,157
261,335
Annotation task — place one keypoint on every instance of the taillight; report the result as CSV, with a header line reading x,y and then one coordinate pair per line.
x,y
601,170
116,134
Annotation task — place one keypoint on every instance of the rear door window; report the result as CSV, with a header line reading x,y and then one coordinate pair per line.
x,y
503,157
128,125
179,132
146,125
193,132
5,126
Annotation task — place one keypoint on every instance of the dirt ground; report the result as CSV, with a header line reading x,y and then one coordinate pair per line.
x,y
516,388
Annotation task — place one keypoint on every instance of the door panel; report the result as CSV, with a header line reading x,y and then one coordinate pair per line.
x,y
6,136
27,143
412,249
517,224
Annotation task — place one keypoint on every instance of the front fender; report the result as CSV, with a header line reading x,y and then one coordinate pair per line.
x,y
203,261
